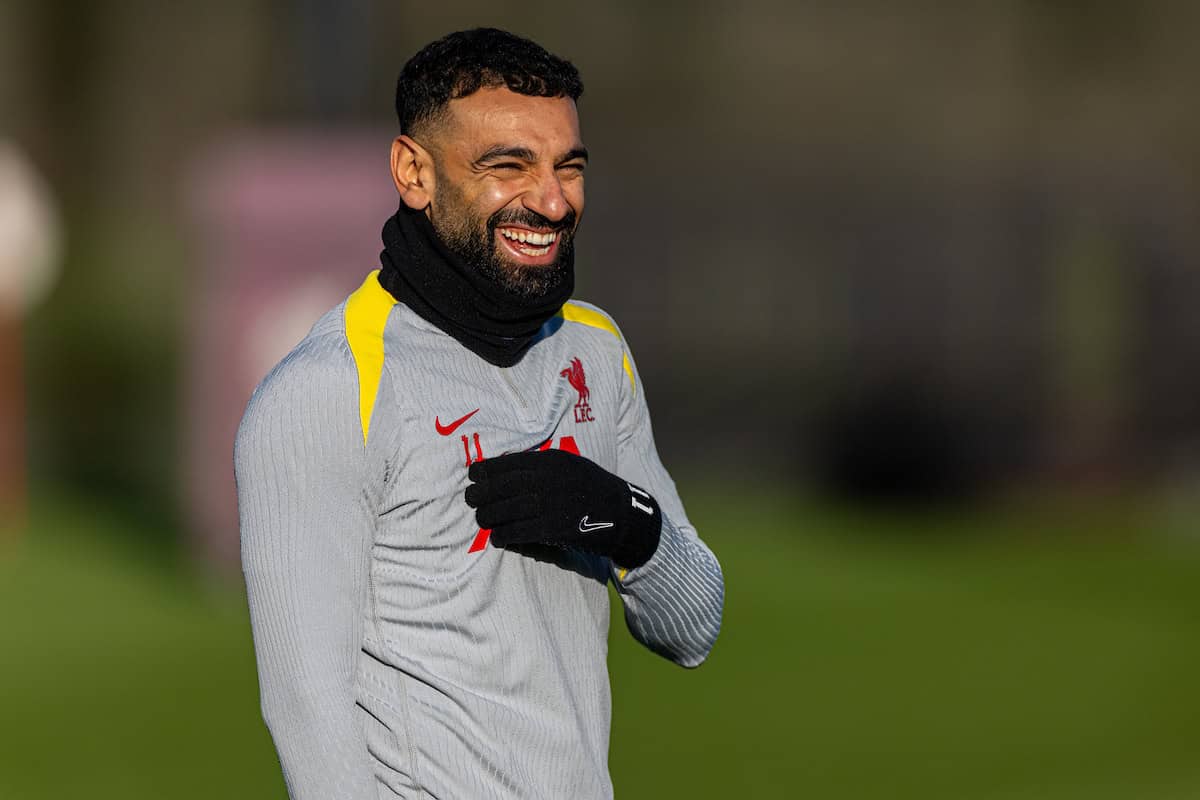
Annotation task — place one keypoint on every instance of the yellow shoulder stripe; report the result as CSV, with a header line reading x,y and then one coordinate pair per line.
x,y
586,316
367,312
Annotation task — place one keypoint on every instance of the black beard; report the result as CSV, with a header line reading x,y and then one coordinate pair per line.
x,y
480,250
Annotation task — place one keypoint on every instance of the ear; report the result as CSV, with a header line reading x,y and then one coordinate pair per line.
x,y
412,171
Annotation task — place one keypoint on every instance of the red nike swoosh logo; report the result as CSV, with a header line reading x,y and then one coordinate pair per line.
x,y
446,430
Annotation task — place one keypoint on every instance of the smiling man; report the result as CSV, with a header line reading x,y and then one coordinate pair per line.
x,y
437,485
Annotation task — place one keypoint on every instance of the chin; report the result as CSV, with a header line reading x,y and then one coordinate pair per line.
x,y
532,281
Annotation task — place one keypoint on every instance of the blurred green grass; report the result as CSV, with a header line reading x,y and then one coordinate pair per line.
x,y
1032,653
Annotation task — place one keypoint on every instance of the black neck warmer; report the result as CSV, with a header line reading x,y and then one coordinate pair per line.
x,y
496,324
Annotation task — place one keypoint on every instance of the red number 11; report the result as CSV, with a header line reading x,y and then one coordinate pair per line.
x,y
467,449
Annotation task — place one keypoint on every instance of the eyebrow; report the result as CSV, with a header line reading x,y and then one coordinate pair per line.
x,y
507,151
578,152
525,154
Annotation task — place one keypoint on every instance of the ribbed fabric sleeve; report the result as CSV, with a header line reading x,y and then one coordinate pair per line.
x,y
305,506
673,602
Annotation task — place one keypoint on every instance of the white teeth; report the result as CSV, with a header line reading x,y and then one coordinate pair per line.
x,y
528,236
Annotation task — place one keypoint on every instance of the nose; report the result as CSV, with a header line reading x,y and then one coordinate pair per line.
x,y
547,198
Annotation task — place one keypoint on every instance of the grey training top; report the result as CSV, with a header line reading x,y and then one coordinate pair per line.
x,y
399,653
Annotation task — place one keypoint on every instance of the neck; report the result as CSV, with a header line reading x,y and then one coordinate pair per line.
x,y
495,323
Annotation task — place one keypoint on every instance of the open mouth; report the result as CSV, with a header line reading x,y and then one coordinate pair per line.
x,y
529,246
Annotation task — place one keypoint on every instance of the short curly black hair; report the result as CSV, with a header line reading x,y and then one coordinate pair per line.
x,y
464,62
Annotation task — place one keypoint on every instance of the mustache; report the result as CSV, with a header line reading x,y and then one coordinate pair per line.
x,y
530,219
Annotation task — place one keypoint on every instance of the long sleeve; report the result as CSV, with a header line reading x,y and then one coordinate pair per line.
x,y
306,526
673,602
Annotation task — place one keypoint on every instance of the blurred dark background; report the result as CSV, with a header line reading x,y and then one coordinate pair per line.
x,y
918,257
980,218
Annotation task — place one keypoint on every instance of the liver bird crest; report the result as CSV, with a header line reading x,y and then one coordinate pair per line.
x,y
574,376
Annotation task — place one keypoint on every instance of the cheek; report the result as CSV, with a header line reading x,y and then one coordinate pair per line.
x,y
573,192
496,196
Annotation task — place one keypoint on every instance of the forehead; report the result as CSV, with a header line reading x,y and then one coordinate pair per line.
x,y
547,125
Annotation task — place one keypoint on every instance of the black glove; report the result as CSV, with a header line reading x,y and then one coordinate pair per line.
x,y
560,498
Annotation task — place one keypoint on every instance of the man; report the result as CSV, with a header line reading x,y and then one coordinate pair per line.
x,y
437,484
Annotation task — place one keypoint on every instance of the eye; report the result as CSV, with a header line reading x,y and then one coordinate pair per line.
x,y
506,166
573,168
